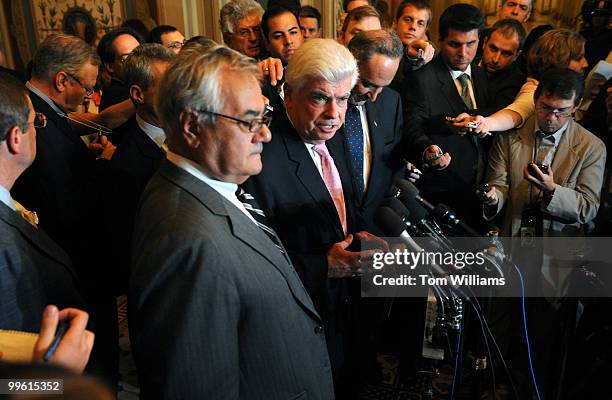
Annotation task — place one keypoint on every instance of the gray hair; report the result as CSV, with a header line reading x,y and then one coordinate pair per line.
x,y
62,52
236,10
321,59
139,64
192,83
365,44
14,108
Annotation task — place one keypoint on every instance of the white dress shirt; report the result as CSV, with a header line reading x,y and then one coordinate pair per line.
x,y
225,189
155,133
456,74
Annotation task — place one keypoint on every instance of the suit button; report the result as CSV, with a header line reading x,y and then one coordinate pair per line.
x,y
318,329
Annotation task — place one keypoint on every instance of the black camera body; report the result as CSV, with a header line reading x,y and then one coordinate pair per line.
x,y
532,170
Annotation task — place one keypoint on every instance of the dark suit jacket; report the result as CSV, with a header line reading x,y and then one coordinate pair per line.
x,y
34,272
385,122
216,310
504,86
293,195
115,93
131,168
429,96
61,185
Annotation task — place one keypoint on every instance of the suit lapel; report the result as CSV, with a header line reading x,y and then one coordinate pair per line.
x,y
36,238
447,87
310,178
241,226
377,142
566,157
145,145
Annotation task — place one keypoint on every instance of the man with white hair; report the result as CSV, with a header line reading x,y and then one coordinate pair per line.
x,y
216,308
240,24
305,189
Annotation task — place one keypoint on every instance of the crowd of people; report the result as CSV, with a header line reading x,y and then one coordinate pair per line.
x,y
230,189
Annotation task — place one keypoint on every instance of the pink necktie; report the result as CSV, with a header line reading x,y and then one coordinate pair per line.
x,y
331,177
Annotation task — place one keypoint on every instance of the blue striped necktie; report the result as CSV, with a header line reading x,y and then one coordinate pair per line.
x,y
354,140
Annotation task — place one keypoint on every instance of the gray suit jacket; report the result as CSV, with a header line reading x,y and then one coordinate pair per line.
x,y
34,272
578,168
216,311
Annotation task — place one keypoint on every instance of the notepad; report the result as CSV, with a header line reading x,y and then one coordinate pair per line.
x,y
17,346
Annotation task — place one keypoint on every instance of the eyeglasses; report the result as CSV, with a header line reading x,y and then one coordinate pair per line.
x,y
88,91
254,125
123,58
40,120
176,45
554,111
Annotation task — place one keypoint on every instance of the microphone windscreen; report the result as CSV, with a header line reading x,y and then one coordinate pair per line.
x,y
389,222
407,187
396,205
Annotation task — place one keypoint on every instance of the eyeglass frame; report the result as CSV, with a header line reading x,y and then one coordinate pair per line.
x,y
266,119
88,91
554,111
177,44
40,120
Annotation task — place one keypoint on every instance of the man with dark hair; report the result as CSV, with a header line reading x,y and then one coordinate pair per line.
x,y
373,124
562,199
447,84
502,47
168,36
113,49
281,30
364,18
411,22
310,22
140,154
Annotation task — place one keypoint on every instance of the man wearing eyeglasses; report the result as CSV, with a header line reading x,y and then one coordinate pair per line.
x,y
575,159
168,36
34,271
548,177
113,49
63,183
214,299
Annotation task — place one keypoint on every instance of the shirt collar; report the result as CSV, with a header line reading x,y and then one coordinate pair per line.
x,y
155,133
5,197
226,189
456,74
555,137
47,100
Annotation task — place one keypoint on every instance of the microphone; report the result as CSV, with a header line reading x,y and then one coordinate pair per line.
x,y
441,211
392,225
418,214
400,209
411,190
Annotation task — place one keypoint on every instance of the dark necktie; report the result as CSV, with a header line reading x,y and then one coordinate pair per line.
x,y
354,141
259,216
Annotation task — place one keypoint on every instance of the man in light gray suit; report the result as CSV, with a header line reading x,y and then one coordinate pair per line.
x,y
217,311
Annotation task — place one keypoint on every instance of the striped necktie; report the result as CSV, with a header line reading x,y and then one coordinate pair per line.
x,y
259,216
